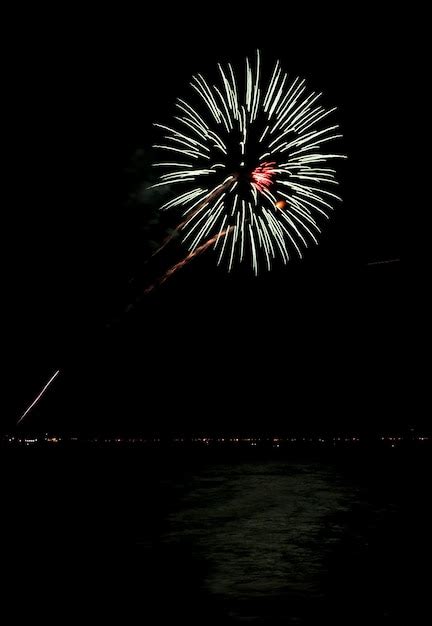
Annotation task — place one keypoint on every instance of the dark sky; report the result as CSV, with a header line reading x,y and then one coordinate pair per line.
x,y
319,344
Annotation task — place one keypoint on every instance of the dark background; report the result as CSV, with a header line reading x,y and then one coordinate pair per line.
x,y
321,344
330,343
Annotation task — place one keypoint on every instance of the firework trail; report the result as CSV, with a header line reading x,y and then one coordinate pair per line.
x,y
384,262
193,254
252,162
216,192
39,396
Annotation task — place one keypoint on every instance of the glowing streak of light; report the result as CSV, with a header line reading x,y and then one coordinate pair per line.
x,y
192,255
39,396
384,262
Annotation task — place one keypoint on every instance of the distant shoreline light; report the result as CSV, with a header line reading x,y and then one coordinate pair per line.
x,y
234,441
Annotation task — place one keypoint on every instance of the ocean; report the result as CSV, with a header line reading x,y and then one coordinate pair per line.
x,y
212,537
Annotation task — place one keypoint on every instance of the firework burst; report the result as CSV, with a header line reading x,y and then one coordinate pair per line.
x,y
253,171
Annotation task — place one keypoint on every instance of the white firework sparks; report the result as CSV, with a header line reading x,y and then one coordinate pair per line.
x,y
253,174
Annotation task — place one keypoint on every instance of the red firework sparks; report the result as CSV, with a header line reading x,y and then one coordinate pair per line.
x,y
262,176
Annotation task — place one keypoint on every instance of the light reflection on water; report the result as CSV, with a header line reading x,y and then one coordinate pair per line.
x,y
264,530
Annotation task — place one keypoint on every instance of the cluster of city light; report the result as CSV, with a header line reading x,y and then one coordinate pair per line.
x,y
276,441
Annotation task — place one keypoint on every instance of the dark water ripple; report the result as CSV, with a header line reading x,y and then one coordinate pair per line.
x,y
289,543
205,540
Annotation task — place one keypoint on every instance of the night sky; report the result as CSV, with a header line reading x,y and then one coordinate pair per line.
x,y
320,344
